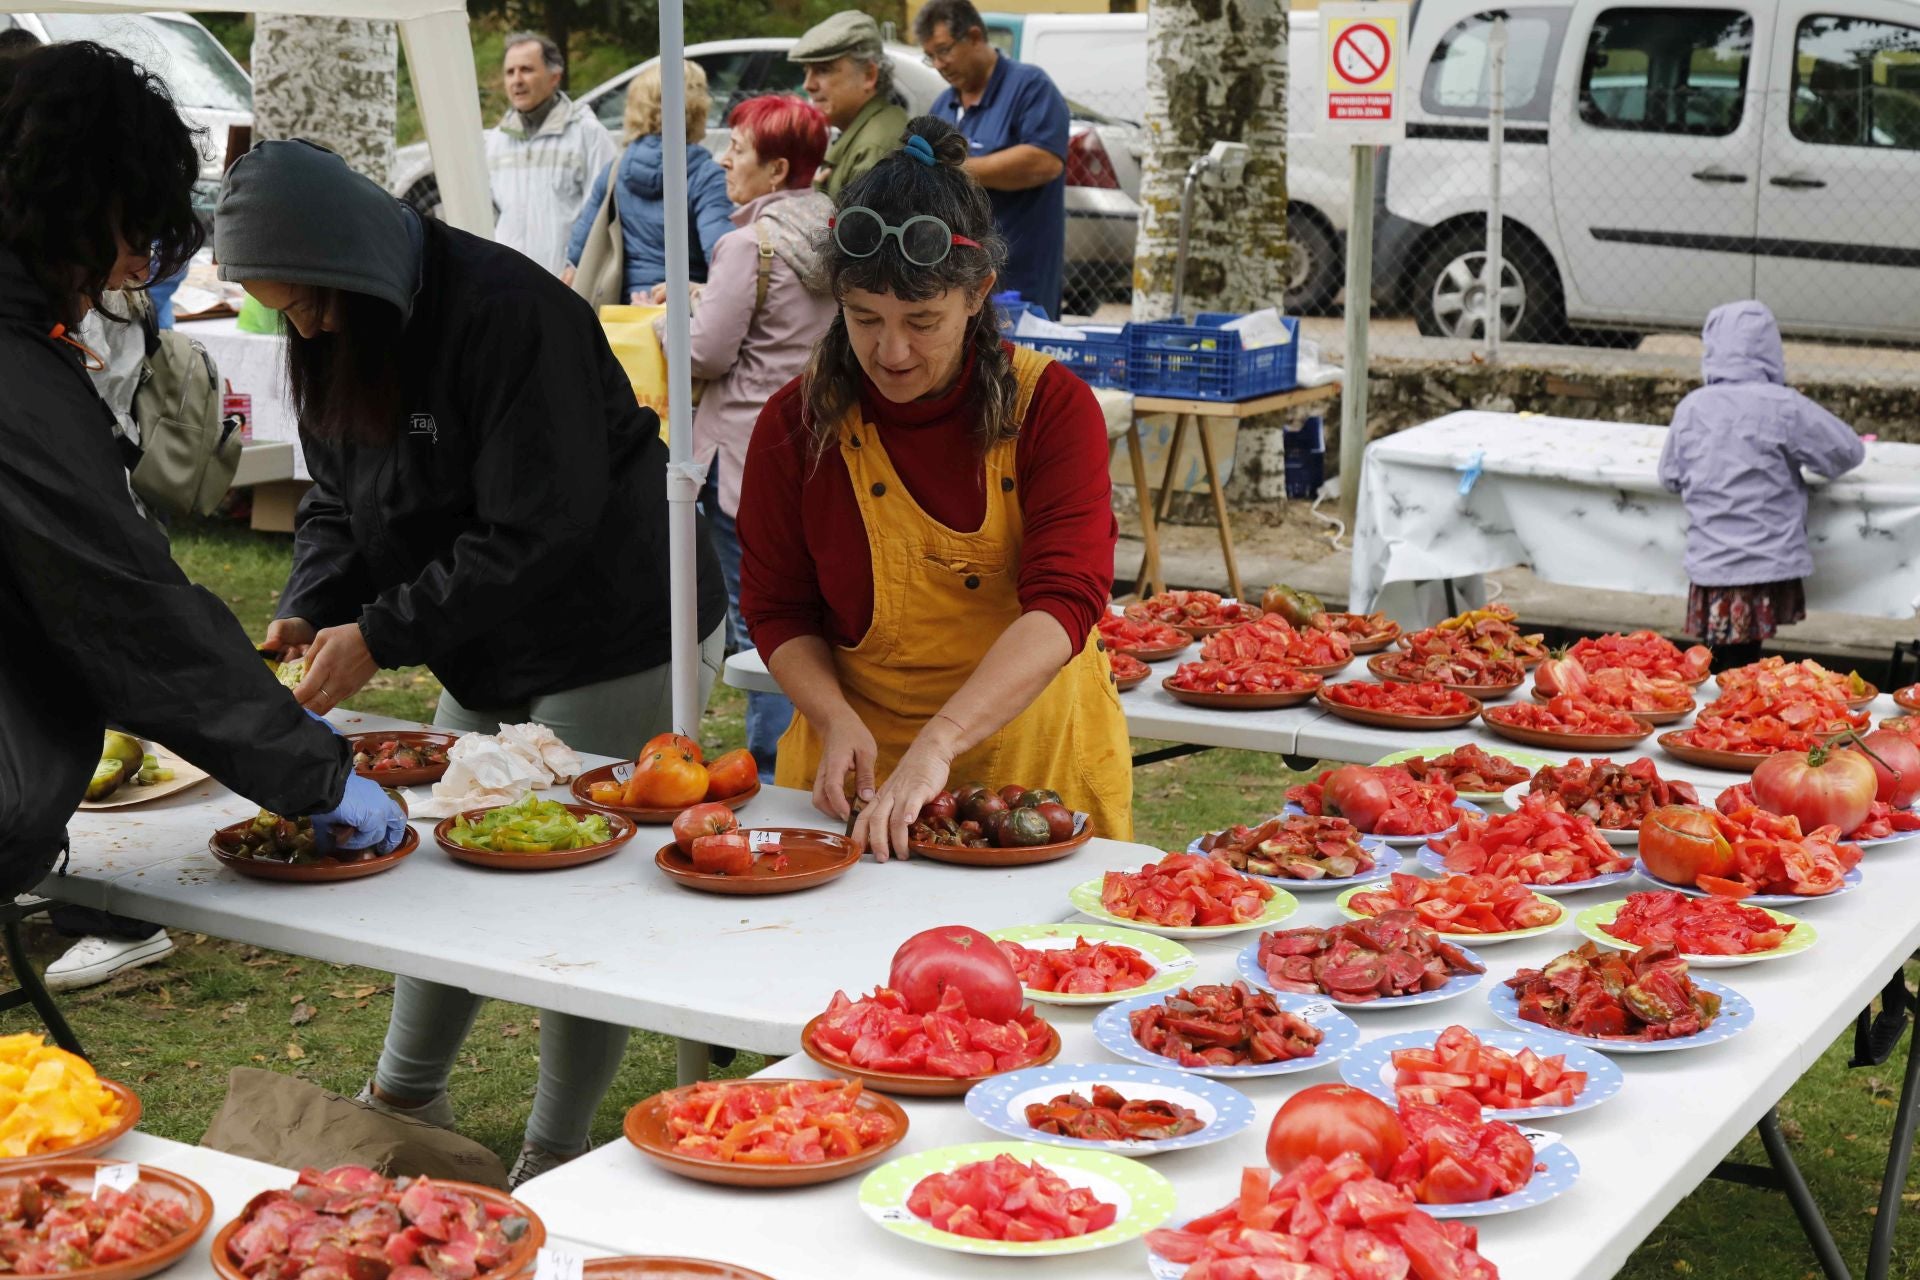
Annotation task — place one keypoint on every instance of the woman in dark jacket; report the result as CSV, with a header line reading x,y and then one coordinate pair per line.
x,y
488,500
101,627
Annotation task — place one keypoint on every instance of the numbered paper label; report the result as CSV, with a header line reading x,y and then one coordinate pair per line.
x,y
553,1263
116,1177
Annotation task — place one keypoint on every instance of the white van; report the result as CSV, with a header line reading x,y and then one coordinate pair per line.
x,y
1662,160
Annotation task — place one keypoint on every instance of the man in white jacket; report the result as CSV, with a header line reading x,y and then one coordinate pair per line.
x,y
544,154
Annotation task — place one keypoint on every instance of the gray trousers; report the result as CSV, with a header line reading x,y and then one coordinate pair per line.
x,y
579,1057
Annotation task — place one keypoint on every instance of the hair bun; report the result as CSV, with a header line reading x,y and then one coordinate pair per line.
x,y
948,143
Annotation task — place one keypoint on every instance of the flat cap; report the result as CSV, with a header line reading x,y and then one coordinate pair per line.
x,y
848,33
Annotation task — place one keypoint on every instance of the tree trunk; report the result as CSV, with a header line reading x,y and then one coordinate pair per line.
x,y
1216,72
330,80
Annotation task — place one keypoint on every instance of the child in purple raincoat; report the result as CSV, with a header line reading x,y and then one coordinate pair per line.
x,y
1735,456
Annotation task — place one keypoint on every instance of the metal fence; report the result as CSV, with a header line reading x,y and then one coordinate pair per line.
x,y
1680,172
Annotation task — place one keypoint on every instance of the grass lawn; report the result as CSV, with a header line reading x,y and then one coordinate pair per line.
x,y
175,1029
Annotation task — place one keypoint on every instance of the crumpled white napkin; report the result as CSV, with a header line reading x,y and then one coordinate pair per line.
x,y
485,770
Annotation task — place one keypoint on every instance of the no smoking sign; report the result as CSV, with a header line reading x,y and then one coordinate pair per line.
x,y
1362,46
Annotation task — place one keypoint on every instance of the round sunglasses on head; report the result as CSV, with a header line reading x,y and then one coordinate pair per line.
x,y
923,239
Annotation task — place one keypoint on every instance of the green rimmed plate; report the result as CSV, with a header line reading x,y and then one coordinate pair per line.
x,y
1086,899
1144,1198
1173,964
1525,759
1476,939
1589,921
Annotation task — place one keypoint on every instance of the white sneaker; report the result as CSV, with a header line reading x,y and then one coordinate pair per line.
x,y
92,960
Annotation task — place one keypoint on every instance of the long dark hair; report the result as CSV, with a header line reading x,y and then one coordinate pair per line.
x,y
345,385
898,188
90,144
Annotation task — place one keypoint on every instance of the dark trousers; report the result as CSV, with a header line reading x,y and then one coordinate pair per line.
x,y
79,922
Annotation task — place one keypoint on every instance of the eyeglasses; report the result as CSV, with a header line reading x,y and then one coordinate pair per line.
x,y
938,57
923,239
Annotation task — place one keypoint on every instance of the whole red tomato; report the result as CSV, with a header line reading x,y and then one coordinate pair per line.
x,y
942,808
728,854
1329,1119
667,778
731,774
702,820
1897,769
1680,844
962,958
1356,793
1059,820
1819,787
661,741
1011,793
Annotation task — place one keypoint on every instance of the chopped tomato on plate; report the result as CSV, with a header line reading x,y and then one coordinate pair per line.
x,y
1008,1199
1539,843
1460,1066
1460,904
1185,890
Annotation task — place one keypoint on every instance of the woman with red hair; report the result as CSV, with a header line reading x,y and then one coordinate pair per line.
x,y
755,322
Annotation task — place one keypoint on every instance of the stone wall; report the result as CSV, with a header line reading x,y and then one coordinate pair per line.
x,y
1606,386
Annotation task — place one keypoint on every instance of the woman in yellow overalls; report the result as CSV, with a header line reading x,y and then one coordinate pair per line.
x,y
926,528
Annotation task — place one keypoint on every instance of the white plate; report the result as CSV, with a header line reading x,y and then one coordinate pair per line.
x,y
1247,965
1000,1103
1370,1067
1113,1031
1406,842
1432,859
1735,1016
1386,860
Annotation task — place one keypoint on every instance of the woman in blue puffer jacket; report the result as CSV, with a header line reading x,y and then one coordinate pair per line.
x,y
643,187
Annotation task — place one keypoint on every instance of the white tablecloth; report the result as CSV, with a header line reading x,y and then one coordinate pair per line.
x,y
1581,503
614,940
255,364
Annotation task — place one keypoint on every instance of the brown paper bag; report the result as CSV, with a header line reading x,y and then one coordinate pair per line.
x,y
289,1122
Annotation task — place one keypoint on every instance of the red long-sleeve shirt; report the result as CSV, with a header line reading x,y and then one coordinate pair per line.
x,y
805,565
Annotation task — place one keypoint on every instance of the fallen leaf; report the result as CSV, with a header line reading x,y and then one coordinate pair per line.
x,y
300,999
301,1015
199,939
1791,1130
192,1064
261,962
294,972
536,1024
259,1057
361,1005
233,1010
510,1032
295,1052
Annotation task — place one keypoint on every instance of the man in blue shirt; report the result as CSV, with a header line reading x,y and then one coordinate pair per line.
x,y
1016,126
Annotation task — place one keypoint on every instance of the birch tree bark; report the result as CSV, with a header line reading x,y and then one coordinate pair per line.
x,y
1216,72
329,80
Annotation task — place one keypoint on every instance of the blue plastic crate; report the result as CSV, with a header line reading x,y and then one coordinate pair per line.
x,y
1100,359
1200,361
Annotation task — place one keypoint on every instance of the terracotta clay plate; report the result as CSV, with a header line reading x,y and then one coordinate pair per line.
x,y
403,777
813,857
1864,699
645,817
1578,743
1732,761
646,1128
1158,655
1374,644
312,872
79,1173
1394,720
907,1086
623,829
1328,668
667,1269
1238,701
1908,697
129,1117
1670,716
1133,682
991,856
518,1262
1471,690
1201,632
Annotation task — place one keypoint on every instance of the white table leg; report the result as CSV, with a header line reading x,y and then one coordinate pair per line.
x,y
690,1061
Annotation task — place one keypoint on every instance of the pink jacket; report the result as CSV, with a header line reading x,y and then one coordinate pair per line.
x,y
746,357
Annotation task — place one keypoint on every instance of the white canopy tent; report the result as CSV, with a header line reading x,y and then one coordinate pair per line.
x,y
440,58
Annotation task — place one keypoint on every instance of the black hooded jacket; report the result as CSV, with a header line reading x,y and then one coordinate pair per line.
x,y
98,625
513,538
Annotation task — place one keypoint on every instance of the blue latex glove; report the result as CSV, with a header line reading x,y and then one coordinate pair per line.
x,y
1470,471
376,821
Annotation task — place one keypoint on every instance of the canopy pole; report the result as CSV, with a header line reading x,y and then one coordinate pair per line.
x,y
440,58
684,475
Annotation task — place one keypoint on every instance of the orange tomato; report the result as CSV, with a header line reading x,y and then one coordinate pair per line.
x,y
672,740
607,792
667,778
731,774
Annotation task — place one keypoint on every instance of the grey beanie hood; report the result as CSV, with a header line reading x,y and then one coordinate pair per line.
x,y
294,211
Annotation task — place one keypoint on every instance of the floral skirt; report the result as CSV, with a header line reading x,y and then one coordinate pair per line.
x,y
1744,615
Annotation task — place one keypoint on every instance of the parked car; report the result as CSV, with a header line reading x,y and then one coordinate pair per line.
x,y
1103,172
212,90
1660,161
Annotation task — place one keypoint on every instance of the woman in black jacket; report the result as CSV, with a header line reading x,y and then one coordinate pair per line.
x,y
101,627
489,500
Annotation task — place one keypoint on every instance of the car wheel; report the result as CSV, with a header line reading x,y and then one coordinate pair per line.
x,y
424,197
1314,274
1450,299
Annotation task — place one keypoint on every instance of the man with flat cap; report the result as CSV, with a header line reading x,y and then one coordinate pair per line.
x,y
850,78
